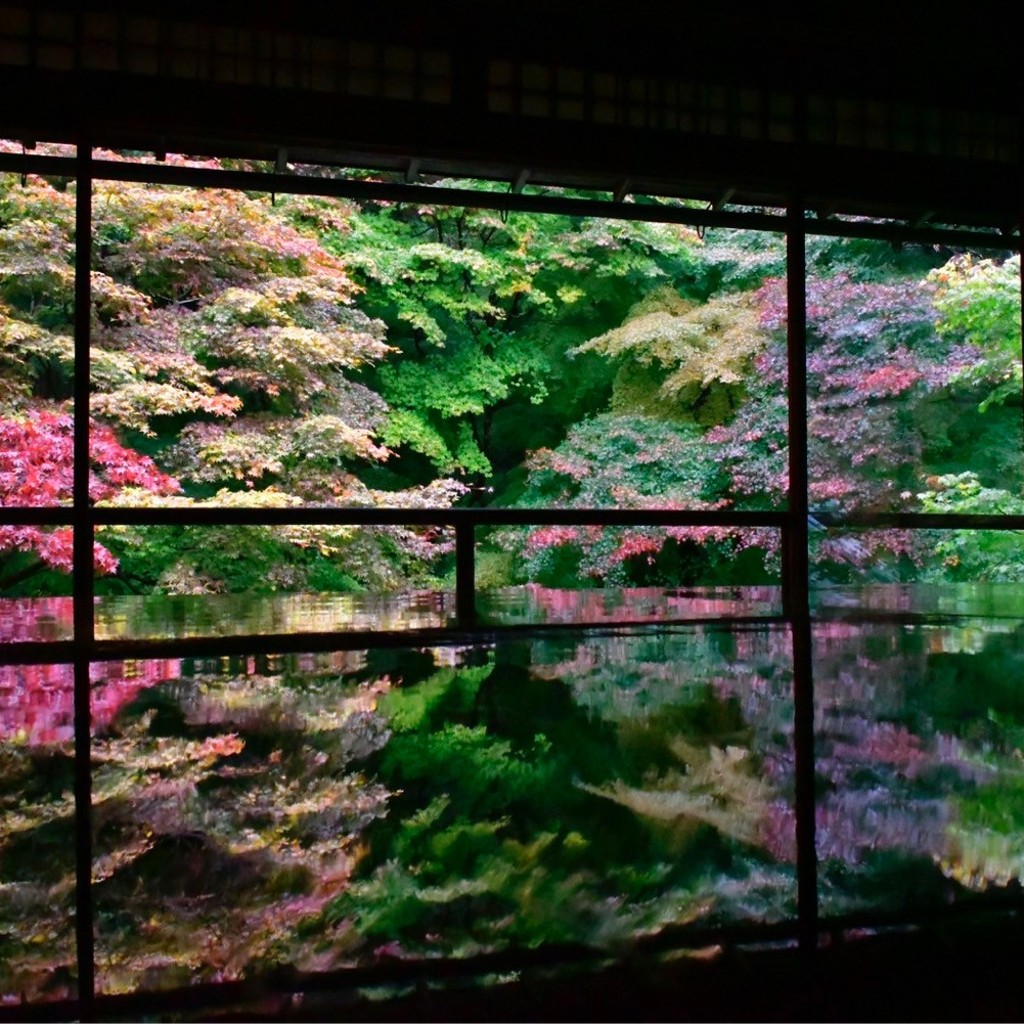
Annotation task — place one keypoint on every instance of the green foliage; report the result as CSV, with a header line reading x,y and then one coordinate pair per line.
x,y
318,351
870,260
485,313
265,559
226,345
978,556
979,302
34,362
738,260
323,351
445,402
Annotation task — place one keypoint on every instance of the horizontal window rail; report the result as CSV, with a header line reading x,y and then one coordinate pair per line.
x,y
466,627
62,651
46,515
922,520
328,515
503,202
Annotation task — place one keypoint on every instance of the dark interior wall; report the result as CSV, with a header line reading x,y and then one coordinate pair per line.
x,y
906,115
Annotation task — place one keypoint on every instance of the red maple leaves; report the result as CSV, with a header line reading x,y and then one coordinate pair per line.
x,y
37,471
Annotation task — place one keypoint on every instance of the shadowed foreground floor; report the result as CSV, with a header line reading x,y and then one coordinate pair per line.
x,y
970,972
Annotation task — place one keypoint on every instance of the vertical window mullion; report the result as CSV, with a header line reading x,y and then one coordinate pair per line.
x,y
465,574
795,576
83,583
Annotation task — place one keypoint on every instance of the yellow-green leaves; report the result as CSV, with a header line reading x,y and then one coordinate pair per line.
x,y
691,351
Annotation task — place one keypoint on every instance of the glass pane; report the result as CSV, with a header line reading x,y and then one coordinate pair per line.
x,y
37,833
173,581
951,565
37,292
914,379
302,350
229,347
673,393
593,574
330,810
918,760
583,789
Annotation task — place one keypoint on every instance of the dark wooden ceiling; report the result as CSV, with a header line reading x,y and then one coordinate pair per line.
x,y
917,117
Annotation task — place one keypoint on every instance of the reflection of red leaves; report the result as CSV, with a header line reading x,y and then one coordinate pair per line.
x,y
214,747
831,489
391,950
37,702
885,743
639,604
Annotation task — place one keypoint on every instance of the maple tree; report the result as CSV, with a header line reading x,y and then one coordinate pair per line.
x,y
225,350
485,312
905,366
979,302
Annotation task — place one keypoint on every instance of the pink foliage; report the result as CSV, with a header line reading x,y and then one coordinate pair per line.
x,y
885,743
635,545
37,471
888,381
551,537
642,604
37,462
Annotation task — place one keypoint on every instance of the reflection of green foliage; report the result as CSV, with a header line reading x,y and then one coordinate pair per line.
x,y
37,868
224,808
987,839
482,771
498,891
976,697
903,879
718,789
489,839
448,692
